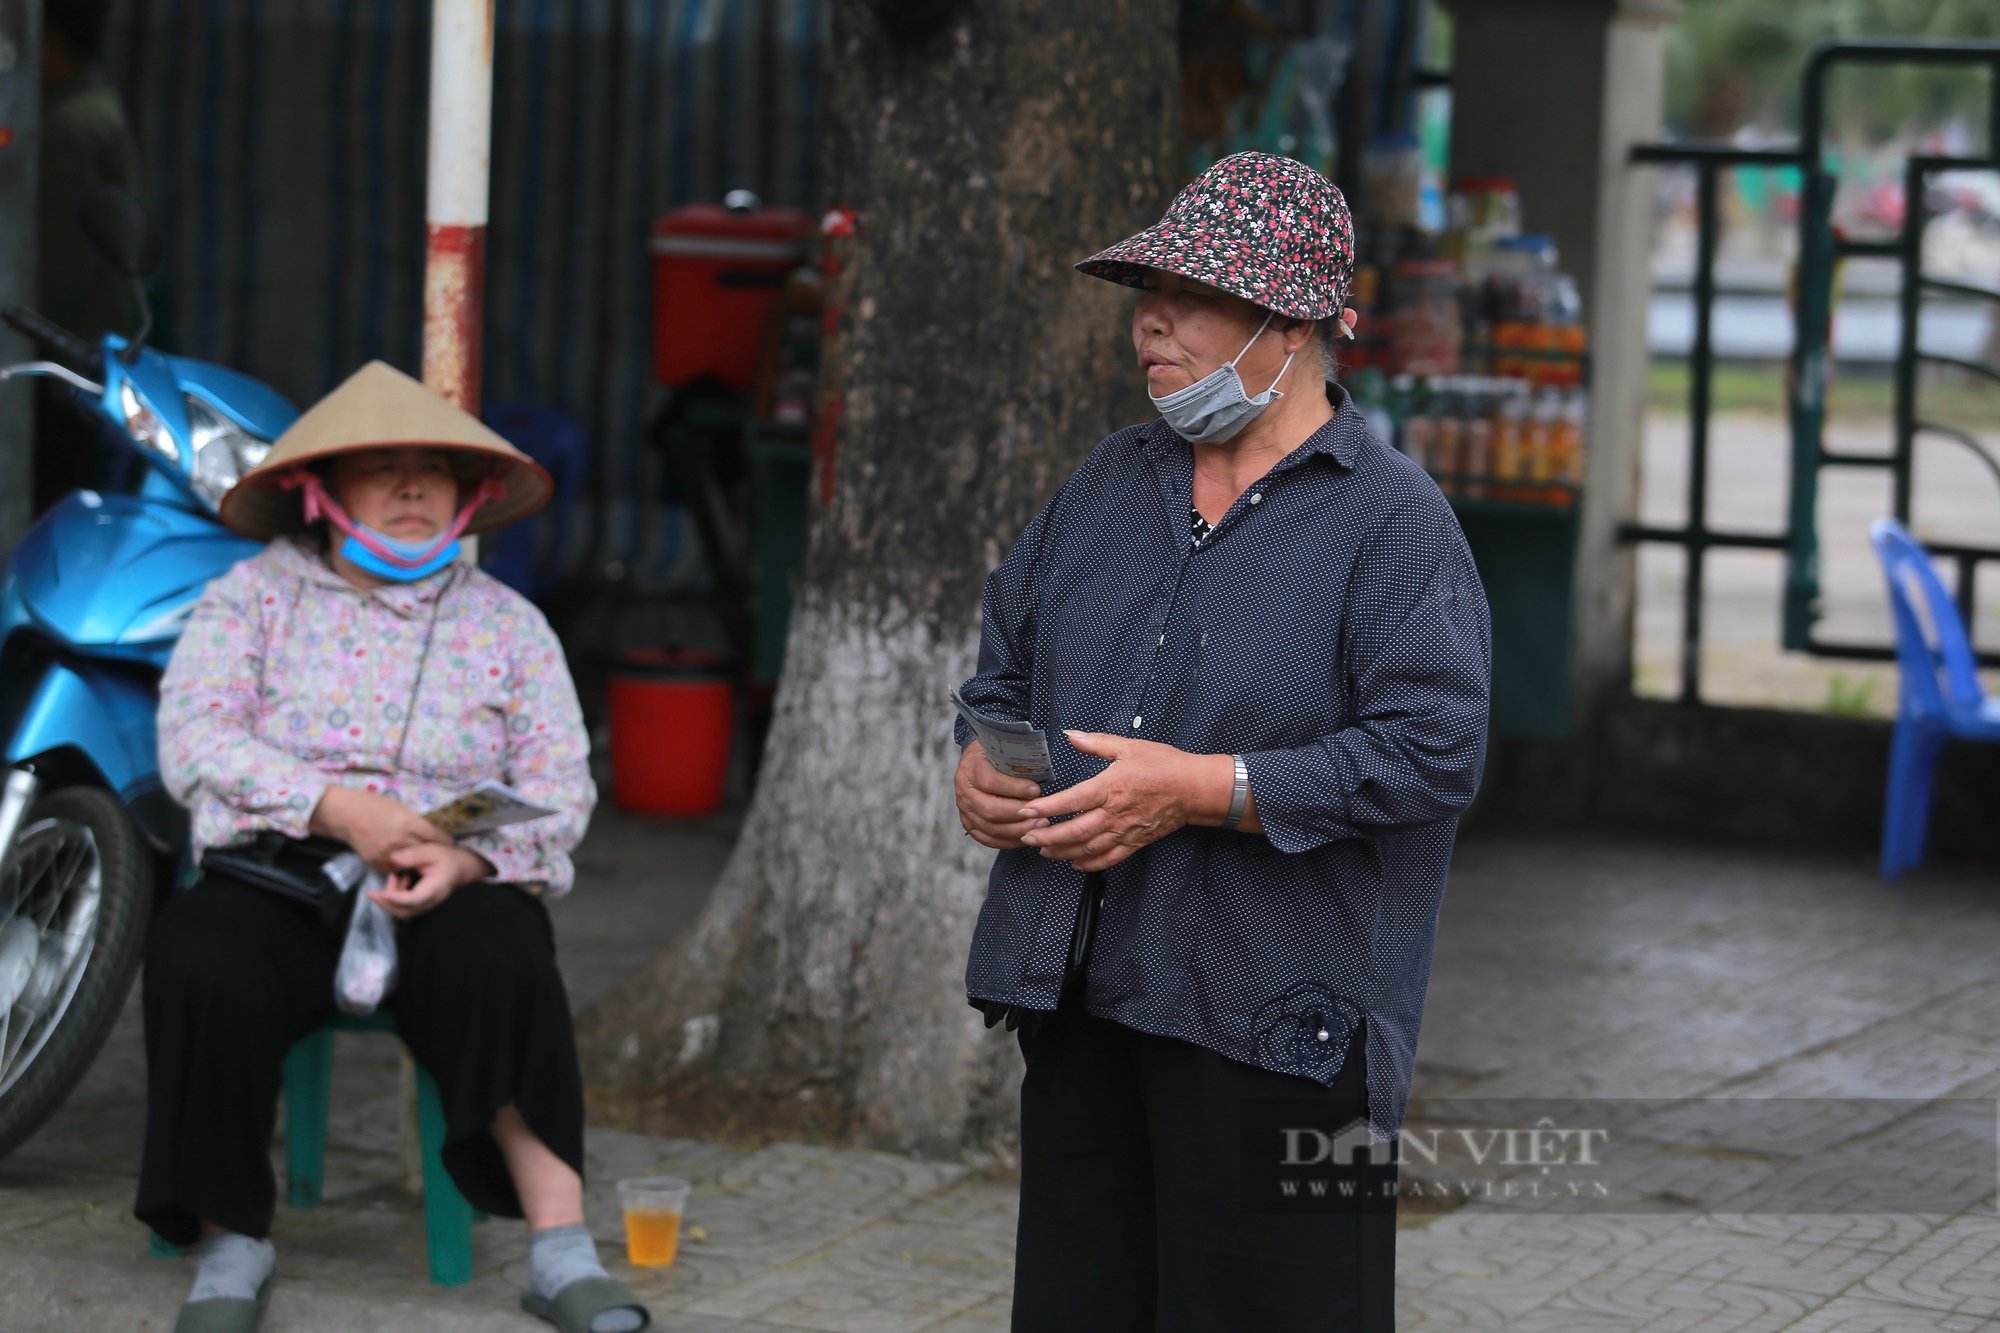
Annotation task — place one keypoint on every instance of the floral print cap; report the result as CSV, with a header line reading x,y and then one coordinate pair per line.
x,y
1270,229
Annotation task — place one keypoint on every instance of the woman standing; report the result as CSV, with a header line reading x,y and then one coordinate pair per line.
x,y
1263,632
351,676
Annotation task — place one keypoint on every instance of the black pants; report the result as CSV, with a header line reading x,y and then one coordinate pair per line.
x,y
1132,1216
236,974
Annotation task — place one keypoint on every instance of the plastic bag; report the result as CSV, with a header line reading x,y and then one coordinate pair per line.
x,y
367,970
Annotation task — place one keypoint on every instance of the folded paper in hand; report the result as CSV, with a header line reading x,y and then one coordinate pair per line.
x,y
1015,748
488,806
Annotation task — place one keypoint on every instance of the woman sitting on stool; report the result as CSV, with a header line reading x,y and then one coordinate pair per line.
x,y
347,678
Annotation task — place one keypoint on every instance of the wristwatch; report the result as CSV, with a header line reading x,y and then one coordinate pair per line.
x,y
1239,795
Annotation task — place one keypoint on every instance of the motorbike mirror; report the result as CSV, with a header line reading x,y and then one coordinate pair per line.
x,y
116,225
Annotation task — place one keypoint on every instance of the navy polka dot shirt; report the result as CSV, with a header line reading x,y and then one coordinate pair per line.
x,y
1329,628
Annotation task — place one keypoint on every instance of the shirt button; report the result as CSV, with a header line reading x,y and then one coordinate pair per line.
x,y
1257,497
1138,722
1163,639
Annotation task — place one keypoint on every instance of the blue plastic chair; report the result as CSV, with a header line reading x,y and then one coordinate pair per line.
x,y
1941,698
448,1218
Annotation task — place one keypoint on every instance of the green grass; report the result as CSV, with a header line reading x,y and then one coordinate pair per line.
x,y
1848,697
1944,394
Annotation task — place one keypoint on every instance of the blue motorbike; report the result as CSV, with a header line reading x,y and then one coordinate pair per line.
x,y
90,607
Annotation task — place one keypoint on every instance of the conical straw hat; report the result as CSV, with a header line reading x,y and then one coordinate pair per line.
x,y
379,407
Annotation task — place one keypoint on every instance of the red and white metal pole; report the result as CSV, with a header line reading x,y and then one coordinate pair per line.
x,y
455,209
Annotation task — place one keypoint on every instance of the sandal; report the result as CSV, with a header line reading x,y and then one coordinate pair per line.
x,y
582,1301
225,1314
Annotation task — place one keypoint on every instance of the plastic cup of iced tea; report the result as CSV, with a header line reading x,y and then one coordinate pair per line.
x,y
653,1208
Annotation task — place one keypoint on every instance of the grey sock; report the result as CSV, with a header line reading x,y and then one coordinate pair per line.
x,y
562,1255
230,1265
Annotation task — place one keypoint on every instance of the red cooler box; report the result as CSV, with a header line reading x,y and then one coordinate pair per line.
x,y
716,271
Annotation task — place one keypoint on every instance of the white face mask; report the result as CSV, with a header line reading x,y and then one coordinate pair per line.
x,y
1214,408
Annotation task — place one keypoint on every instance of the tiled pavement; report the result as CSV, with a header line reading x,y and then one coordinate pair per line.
x,y
1597,967
1576,966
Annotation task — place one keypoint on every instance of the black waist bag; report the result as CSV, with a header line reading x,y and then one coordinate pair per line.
x,y
1076,974
1076,970
294,868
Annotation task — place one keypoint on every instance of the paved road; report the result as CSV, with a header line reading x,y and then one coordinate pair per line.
x,y
1575,966
1956,500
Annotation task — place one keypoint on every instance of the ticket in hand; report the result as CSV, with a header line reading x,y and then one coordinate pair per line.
x,y
490,805
1015,748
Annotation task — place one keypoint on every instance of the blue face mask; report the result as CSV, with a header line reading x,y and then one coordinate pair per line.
x,y
379,554
414,560
1214,408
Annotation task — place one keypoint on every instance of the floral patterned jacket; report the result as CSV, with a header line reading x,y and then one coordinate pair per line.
x,y
289,679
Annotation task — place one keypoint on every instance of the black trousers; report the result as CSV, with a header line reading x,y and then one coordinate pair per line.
x,y
236,974
1132,1216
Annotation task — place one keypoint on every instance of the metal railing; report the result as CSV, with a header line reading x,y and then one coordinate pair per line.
x,y
1695,536
1820,247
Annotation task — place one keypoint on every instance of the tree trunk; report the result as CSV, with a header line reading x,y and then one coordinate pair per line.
x,y
970,369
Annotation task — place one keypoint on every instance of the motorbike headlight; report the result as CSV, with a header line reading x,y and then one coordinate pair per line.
x,y
143,424
223,451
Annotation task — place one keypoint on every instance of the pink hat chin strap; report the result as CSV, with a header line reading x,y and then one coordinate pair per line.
x,y
319,504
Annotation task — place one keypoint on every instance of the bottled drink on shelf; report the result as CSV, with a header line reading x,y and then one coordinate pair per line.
x,y
1477,464
1510,468
1420,426
1473,353
1566,440
1402,388
1448,455
1541,437
1535,314
1491,204
1484,438
1479,212
1426,335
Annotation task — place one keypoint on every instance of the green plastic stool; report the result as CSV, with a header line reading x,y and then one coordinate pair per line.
x,y
448,1218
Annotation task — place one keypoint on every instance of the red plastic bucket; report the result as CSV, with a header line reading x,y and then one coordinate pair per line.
x,y
672,717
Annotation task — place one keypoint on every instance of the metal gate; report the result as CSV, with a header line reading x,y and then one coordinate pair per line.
x,y
1820,248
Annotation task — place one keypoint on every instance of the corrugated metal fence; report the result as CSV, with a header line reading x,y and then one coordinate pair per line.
x,y
283,148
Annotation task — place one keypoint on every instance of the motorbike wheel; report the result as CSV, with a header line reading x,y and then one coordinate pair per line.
x,y
76,894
